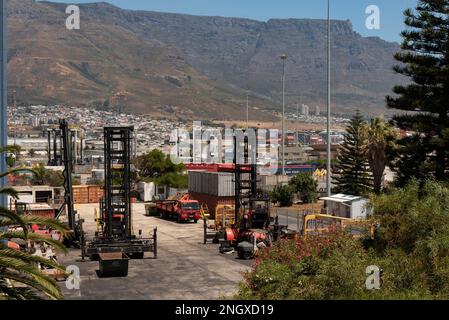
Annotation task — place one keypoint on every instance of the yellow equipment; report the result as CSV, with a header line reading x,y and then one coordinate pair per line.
x,y
318,224
224,216
205,214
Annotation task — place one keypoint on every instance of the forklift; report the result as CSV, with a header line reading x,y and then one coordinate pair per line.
x,y
116,237
252,220
64,156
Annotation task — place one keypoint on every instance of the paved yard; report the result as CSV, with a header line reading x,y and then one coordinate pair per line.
x,y
185,267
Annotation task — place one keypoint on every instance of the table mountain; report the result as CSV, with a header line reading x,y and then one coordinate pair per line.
x,y
190,66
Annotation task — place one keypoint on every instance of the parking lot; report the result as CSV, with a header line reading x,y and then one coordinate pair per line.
x,y
184,269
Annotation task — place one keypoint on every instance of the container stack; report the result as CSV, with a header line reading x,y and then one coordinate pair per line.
x,y
95,194
87,194
218,184
212,188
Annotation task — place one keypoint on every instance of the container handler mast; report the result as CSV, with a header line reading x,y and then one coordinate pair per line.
x,y
116,233
252,208
65,157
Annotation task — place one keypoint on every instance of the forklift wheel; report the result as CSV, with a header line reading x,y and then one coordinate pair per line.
x,y
245,255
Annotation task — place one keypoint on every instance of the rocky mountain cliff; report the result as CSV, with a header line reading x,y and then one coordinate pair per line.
x,y
189,66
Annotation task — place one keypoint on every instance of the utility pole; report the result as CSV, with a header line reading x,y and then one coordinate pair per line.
x,y
284,58
297,128
329,151
14,116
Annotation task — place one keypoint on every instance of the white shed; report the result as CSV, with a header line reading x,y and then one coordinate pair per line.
x,y
347,206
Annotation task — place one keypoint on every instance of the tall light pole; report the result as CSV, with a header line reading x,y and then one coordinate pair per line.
x,y
297,125
14,116
247,111
329,152
284,58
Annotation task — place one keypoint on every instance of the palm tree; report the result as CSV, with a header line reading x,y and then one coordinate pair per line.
x,y
379,135
20,277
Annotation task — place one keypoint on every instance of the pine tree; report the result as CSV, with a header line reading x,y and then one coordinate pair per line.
x,y
425,60
352,173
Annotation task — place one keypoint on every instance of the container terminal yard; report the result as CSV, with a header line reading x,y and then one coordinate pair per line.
x,y
212,166
200,241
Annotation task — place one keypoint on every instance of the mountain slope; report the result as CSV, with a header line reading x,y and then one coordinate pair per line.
x,y
189,66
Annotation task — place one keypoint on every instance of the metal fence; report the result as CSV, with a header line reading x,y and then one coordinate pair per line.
x,y
291,217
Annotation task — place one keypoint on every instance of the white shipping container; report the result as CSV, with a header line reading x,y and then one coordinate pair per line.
x,y
213,183
147,191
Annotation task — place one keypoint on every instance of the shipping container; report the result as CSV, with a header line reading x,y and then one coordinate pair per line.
x,y
219,184
80,194
212,201
87,194
95,194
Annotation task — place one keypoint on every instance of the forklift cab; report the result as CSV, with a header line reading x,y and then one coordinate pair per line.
x,y
260,213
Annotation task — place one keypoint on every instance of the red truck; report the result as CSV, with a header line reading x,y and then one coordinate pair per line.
x,y
183,209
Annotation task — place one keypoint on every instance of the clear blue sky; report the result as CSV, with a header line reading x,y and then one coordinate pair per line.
x,y
354,10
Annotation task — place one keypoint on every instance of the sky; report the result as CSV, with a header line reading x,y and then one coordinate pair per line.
x,y
391,17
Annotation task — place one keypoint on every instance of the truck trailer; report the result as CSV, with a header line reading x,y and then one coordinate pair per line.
x,y
181,210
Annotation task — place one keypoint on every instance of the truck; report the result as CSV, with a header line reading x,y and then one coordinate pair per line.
x,y
182,209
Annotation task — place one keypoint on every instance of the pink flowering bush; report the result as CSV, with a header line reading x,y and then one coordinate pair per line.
x,y
330,266
410,247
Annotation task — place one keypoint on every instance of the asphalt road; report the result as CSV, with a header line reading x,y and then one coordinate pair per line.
x,y
184,269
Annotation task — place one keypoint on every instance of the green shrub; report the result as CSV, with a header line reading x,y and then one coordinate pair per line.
x,y
410,246
282,195
305,186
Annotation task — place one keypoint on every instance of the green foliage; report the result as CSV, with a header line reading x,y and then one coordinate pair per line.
x,y
305,185
282,195
43,176
172,179
12,153
158,167
410,246
20,267
425,60
380,138
352,174
415,221
331,267
316,268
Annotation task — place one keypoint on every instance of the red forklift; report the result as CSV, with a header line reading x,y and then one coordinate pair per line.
x,y
253,226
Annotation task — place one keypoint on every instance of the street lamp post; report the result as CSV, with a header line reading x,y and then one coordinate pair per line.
x,y
284,58
329,154
247,111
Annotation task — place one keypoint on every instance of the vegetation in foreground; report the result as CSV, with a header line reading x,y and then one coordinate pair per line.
x,y
20,277
410,246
